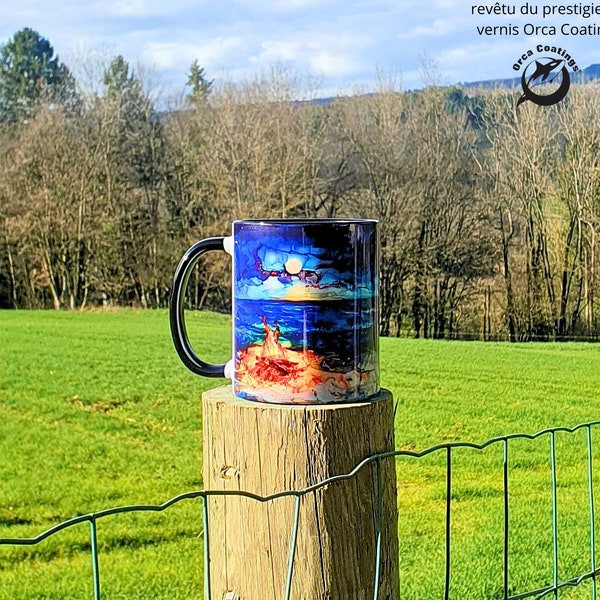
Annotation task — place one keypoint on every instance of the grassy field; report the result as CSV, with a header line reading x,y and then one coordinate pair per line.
x,y
97,411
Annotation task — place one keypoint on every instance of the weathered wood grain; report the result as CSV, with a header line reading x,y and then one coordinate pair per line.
x,y
265,449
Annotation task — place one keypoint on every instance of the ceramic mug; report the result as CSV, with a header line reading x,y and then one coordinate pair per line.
x,y
305,310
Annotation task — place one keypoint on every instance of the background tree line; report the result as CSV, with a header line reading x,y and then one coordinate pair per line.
x,y
489,214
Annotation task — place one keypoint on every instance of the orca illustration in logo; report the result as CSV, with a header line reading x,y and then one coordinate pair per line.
x,y
545,74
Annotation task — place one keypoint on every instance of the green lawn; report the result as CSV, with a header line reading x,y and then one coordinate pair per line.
x,y
97,411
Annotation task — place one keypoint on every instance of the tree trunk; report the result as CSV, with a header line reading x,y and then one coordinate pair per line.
x,y
510,297
11,270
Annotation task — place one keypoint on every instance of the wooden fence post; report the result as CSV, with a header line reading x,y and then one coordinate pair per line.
x,y
266,449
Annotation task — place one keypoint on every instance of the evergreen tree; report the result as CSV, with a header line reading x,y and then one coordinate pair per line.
x,y
199,84
117,78
134,136
31,72
138,125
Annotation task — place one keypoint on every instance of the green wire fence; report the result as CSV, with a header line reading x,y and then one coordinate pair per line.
x,y
447,451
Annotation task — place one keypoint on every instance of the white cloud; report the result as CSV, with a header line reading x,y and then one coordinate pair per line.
x,y
275,51
450,4
290,5
438,28
321,54
143,8
332,64
282,5
481,61
128,8
173,55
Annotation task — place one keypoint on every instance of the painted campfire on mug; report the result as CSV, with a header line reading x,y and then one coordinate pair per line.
x,y
274,371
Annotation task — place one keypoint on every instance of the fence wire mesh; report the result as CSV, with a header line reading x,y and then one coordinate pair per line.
x,y
448,452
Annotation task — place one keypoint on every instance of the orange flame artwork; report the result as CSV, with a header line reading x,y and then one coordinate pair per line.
x,y
275,372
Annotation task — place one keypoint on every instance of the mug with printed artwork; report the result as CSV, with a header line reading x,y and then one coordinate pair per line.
x,y
305,310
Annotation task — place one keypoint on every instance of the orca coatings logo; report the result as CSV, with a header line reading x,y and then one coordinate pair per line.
x,y
545,79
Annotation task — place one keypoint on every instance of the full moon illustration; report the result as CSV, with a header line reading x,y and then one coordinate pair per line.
x,y
293,266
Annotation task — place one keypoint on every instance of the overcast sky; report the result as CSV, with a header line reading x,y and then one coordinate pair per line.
x,y
341,43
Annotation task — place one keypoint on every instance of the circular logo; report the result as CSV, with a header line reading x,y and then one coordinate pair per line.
x,y
545,81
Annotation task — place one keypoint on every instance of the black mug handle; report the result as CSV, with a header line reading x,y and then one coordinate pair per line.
x,y
176,316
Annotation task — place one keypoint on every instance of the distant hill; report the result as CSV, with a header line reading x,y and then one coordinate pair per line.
x,y
587,74
591,72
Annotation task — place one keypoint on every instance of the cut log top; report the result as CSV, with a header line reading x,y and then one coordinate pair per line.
x,y
225,395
